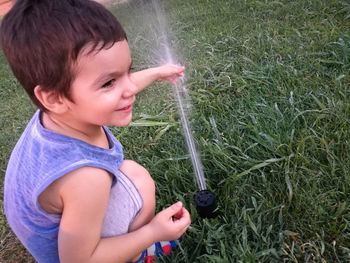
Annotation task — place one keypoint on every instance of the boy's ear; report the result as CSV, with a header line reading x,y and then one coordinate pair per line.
x,y
51,100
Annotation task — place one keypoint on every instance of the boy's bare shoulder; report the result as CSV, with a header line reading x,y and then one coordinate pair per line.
x,y
133,169
132,166
75,184
136,173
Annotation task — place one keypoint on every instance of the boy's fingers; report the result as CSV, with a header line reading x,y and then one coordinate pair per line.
x,y
176,69
186,216
179,214
173,209
180,71
185,220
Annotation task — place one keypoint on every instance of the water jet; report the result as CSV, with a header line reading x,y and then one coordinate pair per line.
x,y
205,200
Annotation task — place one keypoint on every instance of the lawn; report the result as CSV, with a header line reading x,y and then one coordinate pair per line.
x,y
270,89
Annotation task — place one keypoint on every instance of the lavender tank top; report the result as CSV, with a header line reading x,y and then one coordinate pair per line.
x,y
39,158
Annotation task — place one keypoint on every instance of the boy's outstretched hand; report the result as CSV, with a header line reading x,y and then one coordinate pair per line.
x,y
170,72
171,223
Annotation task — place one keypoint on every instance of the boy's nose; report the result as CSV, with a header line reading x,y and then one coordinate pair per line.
x,y
129,88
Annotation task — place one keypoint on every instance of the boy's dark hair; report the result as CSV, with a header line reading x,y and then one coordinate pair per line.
x,y
42,39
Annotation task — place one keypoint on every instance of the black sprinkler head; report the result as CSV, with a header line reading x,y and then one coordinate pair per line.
x,y
206,204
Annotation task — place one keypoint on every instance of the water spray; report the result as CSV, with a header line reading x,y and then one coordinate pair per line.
x,y
204,199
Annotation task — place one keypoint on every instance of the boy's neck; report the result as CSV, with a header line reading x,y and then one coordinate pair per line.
x,y
92,134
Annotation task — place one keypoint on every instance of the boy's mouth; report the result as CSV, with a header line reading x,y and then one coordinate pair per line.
x,y
125,108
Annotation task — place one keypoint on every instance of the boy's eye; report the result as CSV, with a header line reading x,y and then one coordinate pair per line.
x,y
108,83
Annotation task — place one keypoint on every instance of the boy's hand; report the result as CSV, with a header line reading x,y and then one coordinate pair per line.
x,y
171,223
170,72
142,79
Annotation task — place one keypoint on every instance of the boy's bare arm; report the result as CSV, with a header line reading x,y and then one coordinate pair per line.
x,y
85,195
144,78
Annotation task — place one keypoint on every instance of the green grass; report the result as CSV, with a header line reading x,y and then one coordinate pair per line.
x,y
274,77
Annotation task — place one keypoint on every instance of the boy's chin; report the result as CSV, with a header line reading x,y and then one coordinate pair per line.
x,y
123,123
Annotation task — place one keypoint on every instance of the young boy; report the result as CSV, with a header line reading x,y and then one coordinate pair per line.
x,y
69,194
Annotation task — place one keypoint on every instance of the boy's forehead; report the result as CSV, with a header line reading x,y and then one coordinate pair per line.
x,y
91,49
117,53
93,61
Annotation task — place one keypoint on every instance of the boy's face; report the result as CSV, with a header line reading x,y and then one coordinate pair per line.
x,y
102,91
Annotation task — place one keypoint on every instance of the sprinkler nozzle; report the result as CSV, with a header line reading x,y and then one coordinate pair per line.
x,y
206,204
